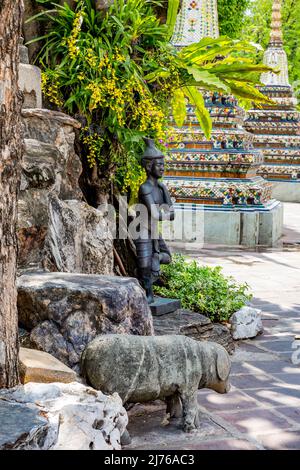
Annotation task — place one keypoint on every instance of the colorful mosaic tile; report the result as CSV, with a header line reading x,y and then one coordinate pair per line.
x,y
197,19
277,129
222,170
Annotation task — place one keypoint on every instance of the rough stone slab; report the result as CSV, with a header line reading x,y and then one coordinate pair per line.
x,y
162,306
65,312
60,417
38,366
182,321
194,325
46,114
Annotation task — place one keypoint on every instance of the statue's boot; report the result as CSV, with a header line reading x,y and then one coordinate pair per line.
x,y
146,281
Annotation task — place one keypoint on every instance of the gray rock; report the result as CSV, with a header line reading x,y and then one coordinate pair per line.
x,y
170,368
22,426
30,85
60,417
194,325
246,323
78,239
64,312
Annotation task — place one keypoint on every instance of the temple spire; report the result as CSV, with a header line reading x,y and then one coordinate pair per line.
x,y
196,19
275,55
276,24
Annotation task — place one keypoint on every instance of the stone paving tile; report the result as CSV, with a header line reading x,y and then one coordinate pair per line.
x,y
293,379
226,444
278,346
238,368
293,413
234,400
250,422
272,367
276,396
270,322
253,381
259,340
294,330
250,347
288,314
287,357
249,356
283,440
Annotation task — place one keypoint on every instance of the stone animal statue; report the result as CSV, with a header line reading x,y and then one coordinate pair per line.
x,y
145,368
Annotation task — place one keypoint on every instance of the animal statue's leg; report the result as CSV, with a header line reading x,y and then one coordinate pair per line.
x,y
197,419
174,406
190,410
125,438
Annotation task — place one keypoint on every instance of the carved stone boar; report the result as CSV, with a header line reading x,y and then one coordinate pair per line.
x,y
145,368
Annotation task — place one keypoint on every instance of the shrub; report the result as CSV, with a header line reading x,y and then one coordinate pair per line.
x,y
202,289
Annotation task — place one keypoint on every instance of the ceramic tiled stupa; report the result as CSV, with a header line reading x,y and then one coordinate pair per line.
x,y
219,177
277,129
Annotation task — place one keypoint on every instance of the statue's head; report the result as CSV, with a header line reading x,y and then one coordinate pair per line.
x,y
153,160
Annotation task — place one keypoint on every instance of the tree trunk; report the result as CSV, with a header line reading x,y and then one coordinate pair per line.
x,y
11,146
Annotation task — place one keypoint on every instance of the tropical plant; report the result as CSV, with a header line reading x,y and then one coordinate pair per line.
x,y
202,289
117,71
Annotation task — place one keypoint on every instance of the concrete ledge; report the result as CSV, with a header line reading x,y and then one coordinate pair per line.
x,y
249,227
286,191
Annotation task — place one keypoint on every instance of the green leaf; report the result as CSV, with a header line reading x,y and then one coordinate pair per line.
x,y
207,79
173,6
178,107
248,92
196,99
151,77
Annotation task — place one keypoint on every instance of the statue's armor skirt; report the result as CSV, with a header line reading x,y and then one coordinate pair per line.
x,y
146,248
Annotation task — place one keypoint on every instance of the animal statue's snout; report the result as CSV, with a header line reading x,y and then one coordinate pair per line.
x,y
222,387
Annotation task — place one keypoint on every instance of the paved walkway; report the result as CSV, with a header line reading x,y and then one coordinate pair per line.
x,y
262,410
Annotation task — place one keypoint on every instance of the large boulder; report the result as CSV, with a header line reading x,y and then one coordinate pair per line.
x,y
64,311
56,229
60,417
78,239
246,323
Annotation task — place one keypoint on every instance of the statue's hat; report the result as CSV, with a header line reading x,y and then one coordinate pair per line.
x,y
151,152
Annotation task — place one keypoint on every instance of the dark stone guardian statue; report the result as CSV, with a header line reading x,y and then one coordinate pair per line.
x,y
152,250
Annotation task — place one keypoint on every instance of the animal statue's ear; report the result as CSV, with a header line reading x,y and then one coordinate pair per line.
x,y
223,364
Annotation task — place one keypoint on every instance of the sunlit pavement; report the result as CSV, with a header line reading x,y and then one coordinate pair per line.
x,y
262,410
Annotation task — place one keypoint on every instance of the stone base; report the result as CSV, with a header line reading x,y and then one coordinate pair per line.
x,y
286,191
231,226
162,306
